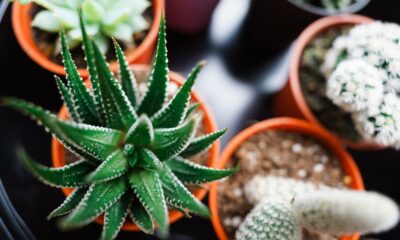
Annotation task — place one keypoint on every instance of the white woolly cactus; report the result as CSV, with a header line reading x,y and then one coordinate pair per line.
x,y
355,85
362,68
270,220
293,205
346,212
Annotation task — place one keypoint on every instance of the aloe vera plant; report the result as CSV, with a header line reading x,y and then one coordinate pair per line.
x,y
132,150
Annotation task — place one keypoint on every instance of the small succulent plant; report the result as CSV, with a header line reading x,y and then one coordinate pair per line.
x,y
325,210
119,19
331,4
362,69
132,150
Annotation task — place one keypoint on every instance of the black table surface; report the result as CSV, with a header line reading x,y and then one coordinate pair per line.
x,y
238,84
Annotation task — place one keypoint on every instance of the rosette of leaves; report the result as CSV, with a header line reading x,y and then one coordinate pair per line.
x,y
132,150
119,19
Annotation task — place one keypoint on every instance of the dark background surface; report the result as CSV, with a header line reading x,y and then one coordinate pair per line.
x,y
238,83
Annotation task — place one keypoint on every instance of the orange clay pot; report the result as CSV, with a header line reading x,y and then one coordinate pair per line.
x,y
287,124
21,21
290,101
58,149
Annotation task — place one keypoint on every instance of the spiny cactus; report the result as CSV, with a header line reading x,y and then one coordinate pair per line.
x,y
119,19
277,188
362,68
346,212
270,221
132,150
328,210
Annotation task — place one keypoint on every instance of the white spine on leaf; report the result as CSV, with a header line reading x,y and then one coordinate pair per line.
x,y
346,212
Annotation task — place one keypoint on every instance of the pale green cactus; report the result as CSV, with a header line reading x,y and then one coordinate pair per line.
x,y
119,19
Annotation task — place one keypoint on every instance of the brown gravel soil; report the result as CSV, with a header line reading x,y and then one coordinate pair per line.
x,y
141,77
313,85
47,41
276,153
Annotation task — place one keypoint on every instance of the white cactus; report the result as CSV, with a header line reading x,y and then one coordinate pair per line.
x,y
270,221
355,85
298,205
346,212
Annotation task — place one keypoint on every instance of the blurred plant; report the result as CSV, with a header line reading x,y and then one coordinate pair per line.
x,y
132,150
331,4
326,210
362,69
119,19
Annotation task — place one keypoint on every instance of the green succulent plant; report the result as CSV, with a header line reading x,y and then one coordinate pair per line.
x,y
132,150
119,19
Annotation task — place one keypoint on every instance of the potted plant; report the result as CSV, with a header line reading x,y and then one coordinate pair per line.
x,y
331,7
294,205
281,147
132,151
189,16
133,24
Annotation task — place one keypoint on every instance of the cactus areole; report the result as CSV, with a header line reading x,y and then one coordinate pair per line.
x,y
132,150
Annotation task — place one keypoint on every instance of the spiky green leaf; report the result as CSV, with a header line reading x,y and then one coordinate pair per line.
x,y
191,173
67,98
141,133
91,65
147,187
131,154
148,160
156,93
97,199
175,111
192,109
200,144
177,195
126,77
115,217
170,142
71,175
119,111
114,166
69,203
141,217
83,100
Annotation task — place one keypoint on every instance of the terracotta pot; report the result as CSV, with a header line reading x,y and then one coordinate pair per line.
x,y
287,124
290,101
21,22
189,16
58,150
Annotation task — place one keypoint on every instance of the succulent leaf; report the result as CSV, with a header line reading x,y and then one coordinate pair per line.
x,y
192,109
200,144
82,98
191,173
175,111
97,199
71,175
128,81
114,166
156,93
141,133
91,65
147,187
170,142
69,203
119,111
115,217
141,217
67,98
148,160
177,195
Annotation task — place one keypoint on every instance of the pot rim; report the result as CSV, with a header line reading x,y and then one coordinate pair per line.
x,y
291,124
58,159
21,23
294,79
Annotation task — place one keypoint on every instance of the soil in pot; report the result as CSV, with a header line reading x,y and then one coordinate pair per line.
x,y
313,85
47,41
276,153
